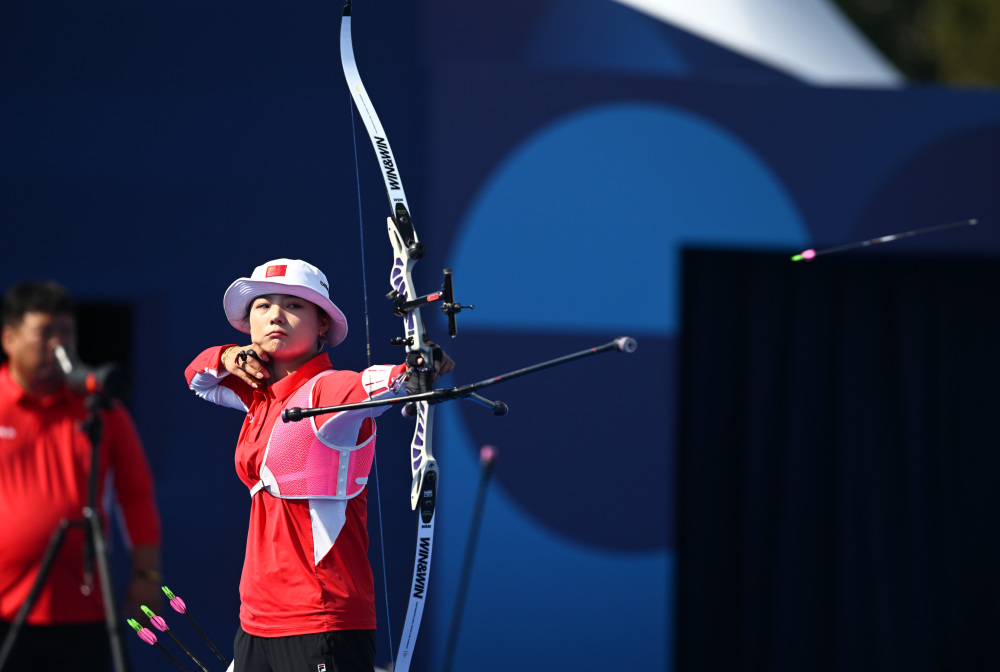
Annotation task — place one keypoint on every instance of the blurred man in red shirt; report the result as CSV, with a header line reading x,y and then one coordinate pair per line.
x,y
44,470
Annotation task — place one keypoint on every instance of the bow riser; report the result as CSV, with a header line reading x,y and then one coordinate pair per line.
x,y
401,281
424,489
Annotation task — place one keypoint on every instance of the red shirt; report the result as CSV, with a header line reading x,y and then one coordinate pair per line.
x,y
44,469
282,591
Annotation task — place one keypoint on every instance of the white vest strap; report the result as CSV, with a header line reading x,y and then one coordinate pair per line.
x,y
266,481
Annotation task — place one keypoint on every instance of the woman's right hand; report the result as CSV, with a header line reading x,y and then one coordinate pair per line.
x,y
251,370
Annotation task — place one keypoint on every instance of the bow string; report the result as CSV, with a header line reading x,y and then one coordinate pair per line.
x,y
407,251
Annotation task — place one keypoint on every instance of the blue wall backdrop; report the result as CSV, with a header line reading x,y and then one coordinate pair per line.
x,y
558,155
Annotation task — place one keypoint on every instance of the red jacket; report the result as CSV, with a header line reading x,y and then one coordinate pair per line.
x,y
283,590
44,469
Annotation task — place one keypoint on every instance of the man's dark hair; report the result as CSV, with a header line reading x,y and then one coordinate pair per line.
x,y
36,297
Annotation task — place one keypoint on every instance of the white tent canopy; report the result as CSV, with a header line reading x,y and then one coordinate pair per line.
x,y
808,39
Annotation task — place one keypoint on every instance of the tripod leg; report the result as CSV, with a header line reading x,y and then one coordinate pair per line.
x,y
55,543
107,592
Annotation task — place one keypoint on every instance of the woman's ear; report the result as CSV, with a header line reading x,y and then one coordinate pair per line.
x,y
324,325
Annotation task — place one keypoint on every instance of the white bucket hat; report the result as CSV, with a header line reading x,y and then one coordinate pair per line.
x,y
284,276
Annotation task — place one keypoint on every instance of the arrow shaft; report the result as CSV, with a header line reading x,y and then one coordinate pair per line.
x,y
170,657
188,651
887,239
207,640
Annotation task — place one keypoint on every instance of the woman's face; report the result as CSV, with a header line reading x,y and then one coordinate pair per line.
x,y
286,326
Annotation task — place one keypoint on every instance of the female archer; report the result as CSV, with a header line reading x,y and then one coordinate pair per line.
x,y
307,592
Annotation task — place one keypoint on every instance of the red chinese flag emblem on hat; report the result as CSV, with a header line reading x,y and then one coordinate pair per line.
x,y
275,270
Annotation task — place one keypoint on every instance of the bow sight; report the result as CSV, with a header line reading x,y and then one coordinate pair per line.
x,y
450,307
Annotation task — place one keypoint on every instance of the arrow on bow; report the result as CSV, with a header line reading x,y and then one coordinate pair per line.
x,y
421,397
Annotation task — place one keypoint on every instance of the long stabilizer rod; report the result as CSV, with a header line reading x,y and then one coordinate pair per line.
x,y
625,344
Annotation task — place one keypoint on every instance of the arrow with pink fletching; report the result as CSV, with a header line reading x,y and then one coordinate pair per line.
x,y
146,635
162,626
809,255
181,608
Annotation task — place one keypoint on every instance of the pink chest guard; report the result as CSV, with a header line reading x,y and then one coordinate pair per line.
x,y
299,464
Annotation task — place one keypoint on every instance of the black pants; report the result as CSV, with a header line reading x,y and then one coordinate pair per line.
x,y
58,648
335,651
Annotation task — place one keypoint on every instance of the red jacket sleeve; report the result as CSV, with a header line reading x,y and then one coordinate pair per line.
x,y
205,374
133,480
